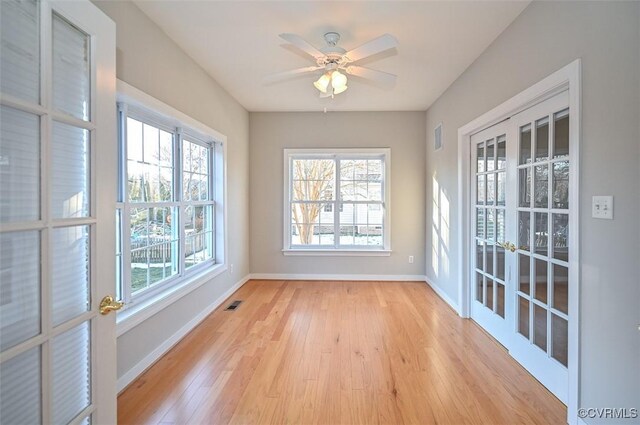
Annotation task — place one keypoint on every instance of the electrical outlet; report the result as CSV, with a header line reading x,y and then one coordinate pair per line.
x,y
411,259
230,268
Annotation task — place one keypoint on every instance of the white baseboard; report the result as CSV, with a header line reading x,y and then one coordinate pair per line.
x,y
305,276
153,356
444,296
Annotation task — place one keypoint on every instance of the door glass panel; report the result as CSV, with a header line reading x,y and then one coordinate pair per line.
x,y
501,188
480,193
524,187
491,155
480,255
480,158
480,223
501,153
542,139
525,144
524,230
19,165
71,373
540,326
561,185
489,260
541,186
71,78
559,331
525,273
561,134
541,280
479,283
500,299
19,287
70,170
500,226
491,189
20,41
523,316
500,263
491,224
561,237
20,392
489,303
561,288
542,233
70,277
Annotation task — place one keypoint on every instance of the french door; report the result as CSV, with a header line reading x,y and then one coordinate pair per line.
x,y
57,243
541,217
489,306
521,246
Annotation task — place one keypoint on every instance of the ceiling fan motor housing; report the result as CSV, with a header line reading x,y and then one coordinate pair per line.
x,y
334,53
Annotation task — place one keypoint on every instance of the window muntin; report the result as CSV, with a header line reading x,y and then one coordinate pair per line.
x,y
336,201
167,216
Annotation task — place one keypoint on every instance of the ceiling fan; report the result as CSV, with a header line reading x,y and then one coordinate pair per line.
x,y
336,62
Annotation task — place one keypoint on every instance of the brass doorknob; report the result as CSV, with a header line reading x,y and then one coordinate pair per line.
x,y
108,304
508,245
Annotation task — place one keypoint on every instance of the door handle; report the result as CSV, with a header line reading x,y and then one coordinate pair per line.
x,y
509,246
108,304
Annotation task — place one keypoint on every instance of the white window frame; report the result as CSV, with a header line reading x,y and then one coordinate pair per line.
x,y
338,154
140,106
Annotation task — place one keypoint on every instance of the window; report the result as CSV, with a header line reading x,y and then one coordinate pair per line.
x,y
166,217
337,200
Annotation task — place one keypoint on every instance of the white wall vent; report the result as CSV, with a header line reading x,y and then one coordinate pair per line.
x,y
437,139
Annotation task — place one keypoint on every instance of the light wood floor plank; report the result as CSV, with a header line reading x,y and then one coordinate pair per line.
x,y
314,352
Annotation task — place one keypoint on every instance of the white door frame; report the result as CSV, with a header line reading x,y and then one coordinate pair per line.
x,y
569,77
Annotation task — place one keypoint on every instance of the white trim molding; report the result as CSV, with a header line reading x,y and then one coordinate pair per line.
x,y
446,298
156,354
567,78
310,276
338,252
337,155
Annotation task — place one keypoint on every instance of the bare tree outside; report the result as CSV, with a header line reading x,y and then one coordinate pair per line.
x,y
313,190
312,181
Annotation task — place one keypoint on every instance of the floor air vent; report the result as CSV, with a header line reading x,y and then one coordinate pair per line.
x,y
233,305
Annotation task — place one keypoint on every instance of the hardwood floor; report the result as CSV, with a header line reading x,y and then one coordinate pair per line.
x,y
307,352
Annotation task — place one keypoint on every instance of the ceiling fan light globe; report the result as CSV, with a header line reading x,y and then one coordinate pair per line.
x,y
338,80
322,83
338,90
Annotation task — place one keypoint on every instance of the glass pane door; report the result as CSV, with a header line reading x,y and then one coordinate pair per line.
x,y
543,223
48,222
489,166
542,232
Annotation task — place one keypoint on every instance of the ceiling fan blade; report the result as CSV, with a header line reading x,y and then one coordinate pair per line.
x,y
273,78
377,45
303,45
371,74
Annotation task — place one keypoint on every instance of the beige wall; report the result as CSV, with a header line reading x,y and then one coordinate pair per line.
x,y
271,133
148,60
544,38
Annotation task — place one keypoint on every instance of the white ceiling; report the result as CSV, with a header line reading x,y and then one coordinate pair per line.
x,y
237,43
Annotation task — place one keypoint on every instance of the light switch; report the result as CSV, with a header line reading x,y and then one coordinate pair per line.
x,y
602,207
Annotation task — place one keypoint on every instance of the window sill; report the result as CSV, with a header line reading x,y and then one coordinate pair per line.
x,y
338,252
135,313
